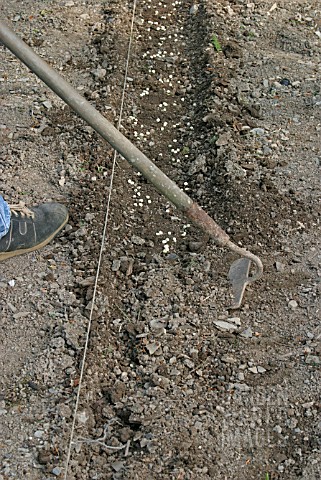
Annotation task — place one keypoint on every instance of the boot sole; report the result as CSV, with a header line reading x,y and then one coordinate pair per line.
x,y
5,255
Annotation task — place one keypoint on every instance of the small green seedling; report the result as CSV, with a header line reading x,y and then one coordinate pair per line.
x,y
185,150
216,43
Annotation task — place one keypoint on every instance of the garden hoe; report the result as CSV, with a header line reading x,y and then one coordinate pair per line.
x,y
239,272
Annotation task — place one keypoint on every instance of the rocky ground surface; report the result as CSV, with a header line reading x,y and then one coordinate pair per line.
x,y
224,97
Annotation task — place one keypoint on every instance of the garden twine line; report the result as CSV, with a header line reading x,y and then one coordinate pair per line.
x,y
104,234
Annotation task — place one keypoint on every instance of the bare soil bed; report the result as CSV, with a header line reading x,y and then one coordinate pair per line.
x,y
225,98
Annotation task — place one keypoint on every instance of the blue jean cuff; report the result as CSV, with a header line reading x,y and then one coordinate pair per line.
x,y
4,217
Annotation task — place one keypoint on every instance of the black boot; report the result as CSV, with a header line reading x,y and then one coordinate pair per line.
x,y
31,229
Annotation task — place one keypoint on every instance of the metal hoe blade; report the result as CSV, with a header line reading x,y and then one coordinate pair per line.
x,y
239,278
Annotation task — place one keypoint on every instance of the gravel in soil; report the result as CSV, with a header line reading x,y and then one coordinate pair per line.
x,y
224,97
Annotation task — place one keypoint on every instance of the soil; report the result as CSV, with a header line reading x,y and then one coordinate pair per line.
x,y
225,98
